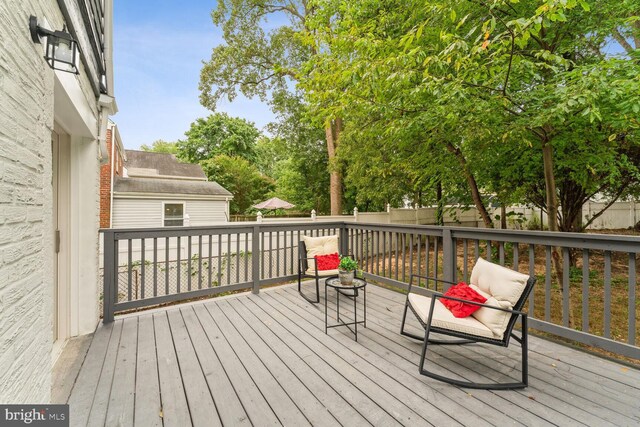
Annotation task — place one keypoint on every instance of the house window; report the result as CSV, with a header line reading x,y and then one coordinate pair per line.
x,y
173,214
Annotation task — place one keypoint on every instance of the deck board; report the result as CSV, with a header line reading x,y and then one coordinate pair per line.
x,y
265,360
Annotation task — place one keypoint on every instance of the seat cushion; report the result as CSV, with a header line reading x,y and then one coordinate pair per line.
x,y
443,318
323,273
322,245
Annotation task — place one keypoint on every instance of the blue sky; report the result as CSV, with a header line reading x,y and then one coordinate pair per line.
x,y
159,47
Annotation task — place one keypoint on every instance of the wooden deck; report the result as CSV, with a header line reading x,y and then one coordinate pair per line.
x,y
265,360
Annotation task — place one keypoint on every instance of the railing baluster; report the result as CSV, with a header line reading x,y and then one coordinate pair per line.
x,y
384,252
403,241
566,295
219,260
607,294
585,290
278,254
397,255
284,253
166,266
377,252
426,257
547,284
200,261
129,270
228,258
262,239
465,260
390,260
246,256
419,256
516,256
237,257
435,256
532,273
210,262
501,253
404,277
270,255
189,261
155,266
293,258
179,262
142,268
631,335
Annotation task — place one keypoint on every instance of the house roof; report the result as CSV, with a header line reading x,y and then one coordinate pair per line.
x,y
147,163
168,186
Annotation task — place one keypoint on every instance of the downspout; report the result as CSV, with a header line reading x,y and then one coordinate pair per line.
x,y
112,175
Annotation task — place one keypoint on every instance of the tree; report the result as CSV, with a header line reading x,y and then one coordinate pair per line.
x,y
241,178
481,79
264,64
219,134
161,146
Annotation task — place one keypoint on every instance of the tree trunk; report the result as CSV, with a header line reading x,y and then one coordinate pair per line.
x,y
440,204
503,216
552,204
333,130
550,186
473,185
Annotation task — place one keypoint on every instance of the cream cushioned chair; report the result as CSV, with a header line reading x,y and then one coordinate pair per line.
x,y
308,248
506,292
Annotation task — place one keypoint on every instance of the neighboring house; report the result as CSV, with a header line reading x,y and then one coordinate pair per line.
x,y
52,139
156,190
112,169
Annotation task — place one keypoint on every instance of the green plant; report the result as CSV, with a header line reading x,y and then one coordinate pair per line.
x,y
347,264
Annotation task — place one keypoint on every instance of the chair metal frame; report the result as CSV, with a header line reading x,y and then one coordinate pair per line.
x,y
464,338
302,268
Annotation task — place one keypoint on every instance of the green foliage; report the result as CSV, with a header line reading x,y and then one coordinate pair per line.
x,y
463,92
161,146
241,178
347,264
219,134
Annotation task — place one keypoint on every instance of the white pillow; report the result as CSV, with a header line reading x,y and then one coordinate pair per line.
x,y
495,320
323,245
502,287
500,282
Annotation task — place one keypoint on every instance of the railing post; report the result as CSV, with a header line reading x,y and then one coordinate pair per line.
x,y
448,255
344,240
255,259
110,275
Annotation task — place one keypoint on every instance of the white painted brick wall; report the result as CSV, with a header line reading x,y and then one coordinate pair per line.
x,y
26,270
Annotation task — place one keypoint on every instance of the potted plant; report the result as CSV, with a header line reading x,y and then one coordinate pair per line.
x,y
347,270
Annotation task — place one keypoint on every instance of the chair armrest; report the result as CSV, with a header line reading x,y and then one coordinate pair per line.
x,y
315,263
427,278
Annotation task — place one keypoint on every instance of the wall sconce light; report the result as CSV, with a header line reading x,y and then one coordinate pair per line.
x,y
62,50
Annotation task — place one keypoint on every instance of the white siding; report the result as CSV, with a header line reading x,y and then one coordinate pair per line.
x,y
130,213
206,212
27,87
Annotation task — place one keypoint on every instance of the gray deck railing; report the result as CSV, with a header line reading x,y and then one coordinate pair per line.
x,y
594,301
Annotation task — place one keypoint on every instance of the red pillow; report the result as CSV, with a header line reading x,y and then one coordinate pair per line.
x,y
327,262
462,291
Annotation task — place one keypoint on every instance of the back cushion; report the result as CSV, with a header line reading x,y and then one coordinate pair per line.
x,y
323,245
500,282
502,287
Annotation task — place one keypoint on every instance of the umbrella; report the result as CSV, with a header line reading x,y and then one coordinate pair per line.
x,y
274,203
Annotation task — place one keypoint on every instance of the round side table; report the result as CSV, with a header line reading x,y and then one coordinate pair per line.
x,y
351,291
